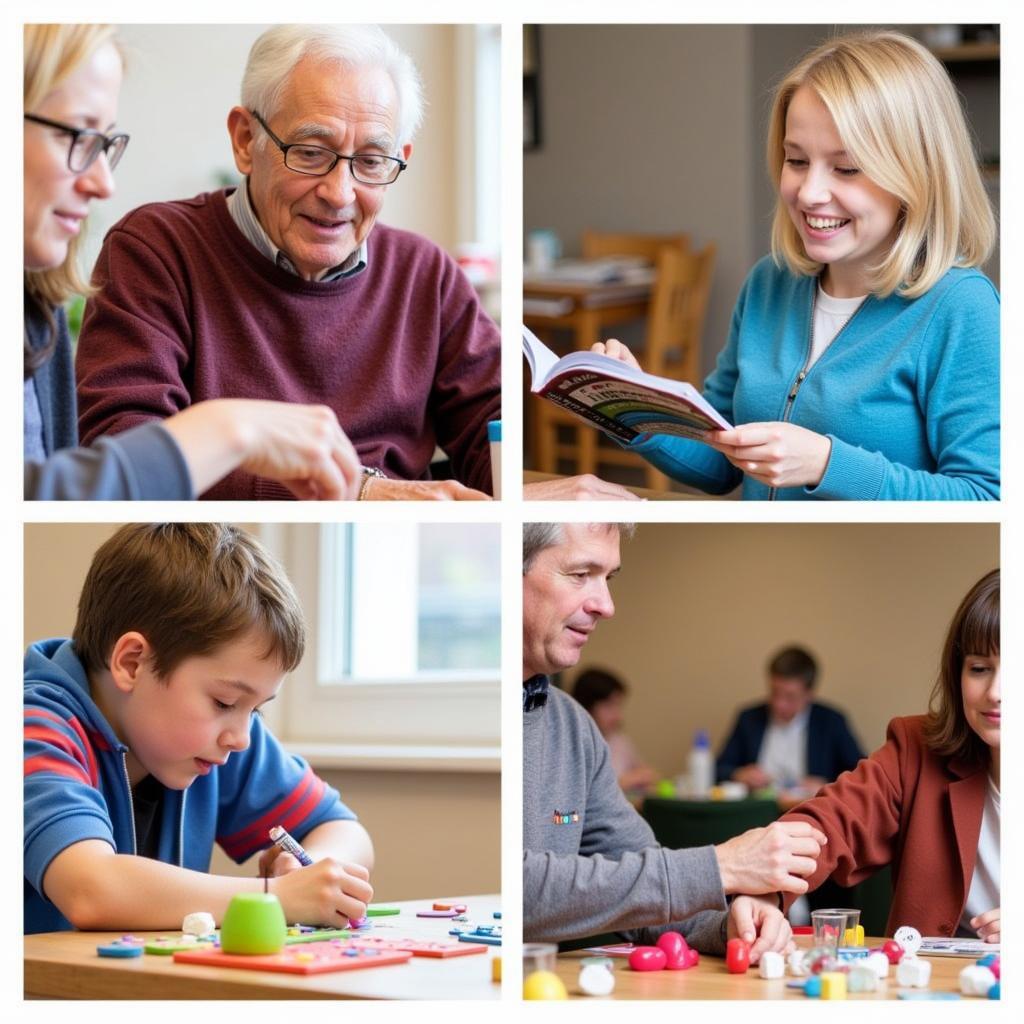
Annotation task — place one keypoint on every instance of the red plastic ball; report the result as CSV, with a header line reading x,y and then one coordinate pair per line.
x,y
674,946
893,950
737,956
647,958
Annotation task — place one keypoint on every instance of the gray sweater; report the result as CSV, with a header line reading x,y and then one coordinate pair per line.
x,y
602,870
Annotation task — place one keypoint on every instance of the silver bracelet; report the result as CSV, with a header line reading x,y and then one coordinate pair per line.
x,y
369,473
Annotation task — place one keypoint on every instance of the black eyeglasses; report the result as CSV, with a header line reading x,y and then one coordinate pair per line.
x,y
86,144
366,168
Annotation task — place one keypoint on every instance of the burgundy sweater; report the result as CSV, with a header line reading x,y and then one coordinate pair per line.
x,y
189,310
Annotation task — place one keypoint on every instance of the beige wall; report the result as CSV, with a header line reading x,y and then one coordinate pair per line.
x,y
436,833
701,607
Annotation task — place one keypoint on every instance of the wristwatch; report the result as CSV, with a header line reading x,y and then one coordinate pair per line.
x,y
369,473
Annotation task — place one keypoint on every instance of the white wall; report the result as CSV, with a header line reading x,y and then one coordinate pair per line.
x,y
181,82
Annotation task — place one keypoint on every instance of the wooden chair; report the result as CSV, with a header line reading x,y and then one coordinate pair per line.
x,y
600,244
671,349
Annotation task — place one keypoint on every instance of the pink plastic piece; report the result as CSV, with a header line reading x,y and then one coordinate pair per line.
x,y
647,958
674,946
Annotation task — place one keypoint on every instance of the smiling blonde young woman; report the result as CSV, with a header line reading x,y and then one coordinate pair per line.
x,y
72,82
863,358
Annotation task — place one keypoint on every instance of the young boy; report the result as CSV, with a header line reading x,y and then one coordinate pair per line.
x,y
144,744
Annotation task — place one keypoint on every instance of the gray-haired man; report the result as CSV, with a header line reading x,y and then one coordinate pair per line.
x,y
288,288
590,863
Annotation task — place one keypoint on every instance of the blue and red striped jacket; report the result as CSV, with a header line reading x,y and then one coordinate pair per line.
x,y
76,787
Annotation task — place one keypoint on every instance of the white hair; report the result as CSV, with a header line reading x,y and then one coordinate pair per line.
x,y
275,54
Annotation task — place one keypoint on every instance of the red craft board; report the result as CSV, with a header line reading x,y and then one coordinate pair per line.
x,y
418,947
329,957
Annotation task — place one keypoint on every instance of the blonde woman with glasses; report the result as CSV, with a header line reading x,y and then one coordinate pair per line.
x,y
72,80
863,358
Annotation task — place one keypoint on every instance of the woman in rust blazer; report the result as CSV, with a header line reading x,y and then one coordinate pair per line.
x,y
917,802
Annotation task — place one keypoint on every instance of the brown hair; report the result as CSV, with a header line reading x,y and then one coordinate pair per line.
x,y
188,588
52,52
794,663
974,630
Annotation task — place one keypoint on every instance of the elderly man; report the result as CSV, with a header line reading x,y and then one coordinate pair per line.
x,y
591,864
287,287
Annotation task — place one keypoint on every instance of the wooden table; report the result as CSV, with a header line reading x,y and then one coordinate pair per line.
x,y
710,979
65,965
589,308
531,476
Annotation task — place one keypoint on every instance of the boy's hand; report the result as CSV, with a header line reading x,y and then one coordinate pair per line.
x,y
327,893
275,862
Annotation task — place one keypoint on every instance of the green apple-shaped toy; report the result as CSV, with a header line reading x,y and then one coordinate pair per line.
x,y
254,924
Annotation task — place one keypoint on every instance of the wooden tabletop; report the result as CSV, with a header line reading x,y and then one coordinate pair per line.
x,y
711,980
65,965
531,476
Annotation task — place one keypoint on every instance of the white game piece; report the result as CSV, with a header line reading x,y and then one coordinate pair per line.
x,y
913,972
595,980
976,981
909,938
797,964
862,979
200,923
879,963
772,965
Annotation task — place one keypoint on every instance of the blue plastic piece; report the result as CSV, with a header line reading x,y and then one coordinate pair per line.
x,y
487,940
993,992
120,949
494,430
987,960
812,986
497,914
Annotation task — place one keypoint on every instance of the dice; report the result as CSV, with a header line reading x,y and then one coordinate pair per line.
x,y
772,965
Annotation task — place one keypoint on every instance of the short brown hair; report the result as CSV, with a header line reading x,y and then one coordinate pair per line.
x,y
794,663
974,630
188,588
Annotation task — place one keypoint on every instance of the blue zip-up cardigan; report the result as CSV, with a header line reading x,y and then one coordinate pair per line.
x,y
907,392
76,787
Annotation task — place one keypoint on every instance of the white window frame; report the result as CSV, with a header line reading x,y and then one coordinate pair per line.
x,y
445,719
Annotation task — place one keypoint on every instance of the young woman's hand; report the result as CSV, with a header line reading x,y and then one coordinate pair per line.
x,y
987,925
616,350
778,454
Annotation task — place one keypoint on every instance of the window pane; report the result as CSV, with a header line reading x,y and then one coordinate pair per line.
x,y
459,596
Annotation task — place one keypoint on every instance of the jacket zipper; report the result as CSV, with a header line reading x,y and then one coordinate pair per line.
x,y
131,803
131,816
806,369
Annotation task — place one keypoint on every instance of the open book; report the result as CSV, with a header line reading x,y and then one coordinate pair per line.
x,y
622,401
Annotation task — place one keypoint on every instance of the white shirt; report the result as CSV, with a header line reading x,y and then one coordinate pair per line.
x,y
984,891
830,317
783,753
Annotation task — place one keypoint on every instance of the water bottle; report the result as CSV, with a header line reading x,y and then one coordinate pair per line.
x,y
702,765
